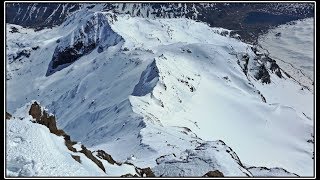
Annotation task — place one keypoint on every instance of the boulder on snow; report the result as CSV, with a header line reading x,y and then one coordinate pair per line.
x,y
215,173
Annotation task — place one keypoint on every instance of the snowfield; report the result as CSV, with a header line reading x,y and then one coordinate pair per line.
x,y
161,95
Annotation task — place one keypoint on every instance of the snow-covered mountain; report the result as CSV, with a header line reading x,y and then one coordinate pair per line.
x,y
174,95
299,36
50,14
242,17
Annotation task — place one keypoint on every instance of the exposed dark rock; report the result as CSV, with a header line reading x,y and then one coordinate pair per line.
x,y
263,74
263,98
215,173
77,158
35,111
103,155
274,67
42,117
288,75
71,54
127,175
100,49
8,116
245,58
89,155
145,172
35,48
49,121
234,35
224,33
254,49
14,30
70,144
24,52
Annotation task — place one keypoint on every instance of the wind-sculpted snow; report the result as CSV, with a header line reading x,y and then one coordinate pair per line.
x,y
91,33
168,86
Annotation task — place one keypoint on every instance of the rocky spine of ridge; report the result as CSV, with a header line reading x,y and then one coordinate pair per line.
x,y
42,117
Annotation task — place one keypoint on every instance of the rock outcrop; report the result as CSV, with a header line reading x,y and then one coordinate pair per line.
x,y
103,155
145,172
215,173
42,117
8,116
92,33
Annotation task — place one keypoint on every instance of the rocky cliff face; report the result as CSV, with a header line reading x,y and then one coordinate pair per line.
x,y
91,33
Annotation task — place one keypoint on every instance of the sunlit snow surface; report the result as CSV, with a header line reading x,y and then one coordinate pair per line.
x,y
293,49
168,88
33,151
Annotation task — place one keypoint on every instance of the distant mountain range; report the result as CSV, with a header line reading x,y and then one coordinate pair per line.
x,y
248,19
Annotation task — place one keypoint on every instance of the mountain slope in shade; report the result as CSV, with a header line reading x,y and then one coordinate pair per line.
x,y
169,87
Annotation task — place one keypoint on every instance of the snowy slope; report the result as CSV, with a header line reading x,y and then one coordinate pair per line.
x,y
168,87
293,49
33,151
203,109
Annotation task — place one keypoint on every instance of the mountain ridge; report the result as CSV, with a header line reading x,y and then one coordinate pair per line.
x,y
167,92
